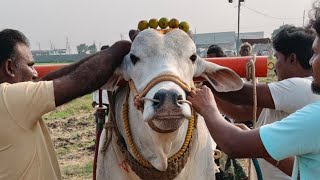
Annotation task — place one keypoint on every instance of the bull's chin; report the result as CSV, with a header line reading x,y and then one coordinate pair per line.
x,y
166,124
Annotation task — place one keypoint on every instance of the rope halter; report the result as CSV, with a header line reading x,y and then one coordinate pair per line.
x,y
139,98
137,162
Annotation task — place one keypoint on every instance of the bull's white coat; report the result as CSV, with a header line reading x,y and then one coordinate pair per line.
x,y
160,54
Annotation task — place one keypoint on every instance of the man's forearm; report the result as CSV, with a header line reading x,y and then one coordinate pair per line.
x,y
242,97
232,140
221,131
239,113
245,96
285,165
90,74
64,71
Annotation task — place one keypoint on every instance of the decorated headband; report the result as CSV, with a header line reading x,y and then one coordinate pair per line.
x,y
163,23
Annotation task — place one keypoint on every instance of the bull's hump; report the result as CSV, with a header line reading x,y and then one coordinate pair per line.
x,y
146,40
176,40
175,35
147,35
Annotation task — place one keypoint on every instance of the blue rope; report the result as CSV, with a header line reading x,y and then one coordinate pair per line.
x,y
257,167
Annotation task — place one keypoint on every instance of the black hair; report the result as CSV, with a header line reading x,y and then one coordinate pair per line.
x,y
217,50
314,16
9,38
297,40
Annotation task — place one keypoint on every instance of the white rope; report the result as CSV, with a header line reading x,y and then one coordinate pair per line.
x,y
157,101
150,99
185,101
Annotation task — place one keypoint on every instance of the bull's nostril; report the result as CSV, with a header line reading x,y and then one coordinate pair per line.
x,y
156,103
179,98
159,97
167,97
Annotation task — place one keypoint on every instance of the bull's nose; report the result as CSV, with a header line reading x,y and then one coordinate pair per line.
x,y
169,97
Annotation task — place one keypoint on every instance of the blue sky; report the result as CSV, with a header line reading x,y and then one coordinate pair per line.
x,y
106,21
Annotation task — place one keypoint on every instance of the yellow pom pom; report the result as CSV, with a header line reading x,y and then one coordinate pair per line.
x,y
143,25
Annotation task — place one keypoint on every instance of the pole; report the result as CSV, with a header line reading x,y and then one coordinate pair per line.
x,y
238,40
100,116
304,13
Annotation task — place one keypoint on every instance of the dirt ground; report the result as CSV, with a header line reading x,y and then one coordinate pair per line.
x,y
73,134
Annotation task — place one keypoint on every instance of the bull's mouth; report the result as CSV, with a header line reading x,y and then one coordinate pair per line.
x,y
166,124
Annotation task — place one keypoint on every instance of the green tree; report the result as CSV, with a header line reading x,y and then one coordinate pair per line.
x,y
92,49
82,48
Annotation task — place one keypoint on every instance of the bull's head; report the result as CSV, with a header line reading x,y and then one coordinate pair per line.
x,y
153,54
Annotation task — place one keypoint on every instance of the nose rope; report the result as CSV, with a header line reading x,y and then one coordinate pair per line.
x,y
139,97
157,101
150,99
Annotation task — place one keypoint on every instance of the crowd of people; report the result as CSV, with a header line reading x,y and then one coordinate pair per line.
x,y
293,51
285,140
289,109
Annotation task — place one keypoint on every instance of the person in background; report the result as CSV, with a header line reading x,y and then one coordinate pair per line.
x,y
245,49
215,51
276,100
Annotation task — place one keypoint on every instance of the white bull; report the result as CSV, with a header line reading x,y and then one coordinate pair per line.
x,y
157,138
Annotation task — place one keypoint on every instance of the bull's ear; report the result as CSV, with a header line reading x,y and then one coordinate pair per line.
x,y
113,80
221,78
133,33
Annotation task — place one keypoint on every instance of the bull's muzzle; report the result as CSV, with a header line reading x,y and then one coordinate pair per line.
x,y
167,99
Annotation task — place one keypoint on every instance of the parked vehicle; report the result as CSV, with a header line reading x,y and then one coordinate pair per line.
x,y
230,53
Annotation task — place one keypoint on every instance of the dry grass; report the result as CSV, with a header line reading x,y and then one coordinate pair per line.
x,y
72,128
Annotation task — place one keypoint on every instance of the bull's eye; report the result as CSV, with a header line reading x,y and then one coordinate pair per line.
x,y
134,58
193,58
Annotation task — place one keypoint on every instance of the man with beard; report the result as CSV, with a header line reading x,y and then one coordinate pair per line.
x,y
295,135
245,49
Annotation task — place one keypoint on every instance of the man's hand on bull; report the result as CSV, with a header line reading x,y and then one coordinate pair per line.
x,y
203,100
204,103
80,75
119,49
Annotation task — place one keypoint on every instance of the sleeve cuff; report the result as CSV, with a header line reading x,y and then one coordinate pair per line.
x,y
268,143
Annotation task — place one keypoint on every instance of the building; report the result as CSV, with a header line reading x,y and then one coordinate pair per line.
x,y
226,40
49,52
